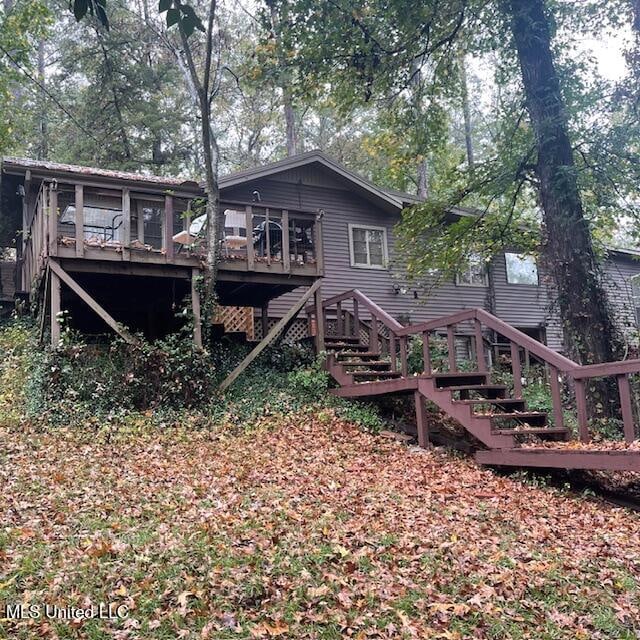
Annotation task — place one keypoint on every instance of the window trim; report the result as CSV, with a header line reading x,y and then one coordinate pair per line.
x,y
520,284
483,285
385,251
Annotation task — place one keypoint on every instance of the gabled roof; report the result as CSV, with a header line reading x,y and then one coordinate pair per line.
x,y
389,199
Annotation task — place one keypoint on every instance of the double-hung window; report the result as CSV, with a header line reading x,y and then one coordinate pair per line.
x,y
474,274
368,246
521,269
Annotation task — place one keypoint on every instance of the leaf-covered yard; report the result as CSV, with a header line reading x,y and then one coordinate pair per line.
x,y
302,528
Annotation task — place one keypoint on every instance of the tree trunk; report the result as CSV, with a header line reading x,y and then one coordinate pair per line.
x,y
466,112
423,179
43,121
290,120
589,333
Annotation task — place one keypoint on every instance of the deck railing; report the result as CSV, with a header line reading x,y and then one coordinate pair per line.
x,y
81,221
565,377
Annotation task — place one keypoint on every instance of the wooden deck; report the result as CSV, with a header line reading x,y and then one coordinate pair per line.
x,y
368,357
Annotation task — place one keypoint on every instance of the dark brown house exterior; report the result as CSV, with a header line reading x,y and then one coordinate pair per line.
x,y
356,247
314,181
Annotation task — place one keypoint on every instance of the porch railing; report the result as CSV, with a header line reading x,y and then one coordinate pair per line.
x,y
566,378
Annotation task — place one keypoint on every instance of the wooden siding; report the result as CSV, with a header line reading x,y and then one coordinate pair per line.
x,y
618,271
7,279
523,306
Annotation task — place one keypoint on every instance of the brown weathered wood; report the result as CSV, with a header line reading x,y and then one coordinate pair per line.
x,y
53,220
625,405
140,224
168,227
373,333
426,353
451,347
196,309
556,398
79,204
126,221
607,369
264,319
339,327
581,408
272,335
404,363
392,351
286,258
55,302
516,369
319,246
250,248
58,271
477,330
356,318
422,424
320,323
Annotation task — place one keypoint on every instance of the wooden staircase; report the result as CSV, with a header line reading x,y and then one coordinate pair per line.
x,y
370,358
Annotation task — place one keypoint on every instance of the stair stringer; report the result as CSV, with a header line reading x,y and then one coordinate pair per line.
x,y
477,426
337,371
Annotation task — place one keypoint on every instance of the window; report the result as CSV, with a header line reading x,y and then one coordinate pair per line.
x,y
521,269
368,246
474,274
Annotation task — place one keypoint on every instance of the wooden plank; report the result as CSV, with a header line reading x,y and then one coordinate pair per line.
x,y
286,258
319,245
451,347
516,369
168,226
339,327
140,224
58,271
607,369
426,352
373,333
249,225
625,405
356,319
267,228
392,350
79,203
480,359
195,307
320,326
56,307
556,397
404,363
126,222
581,407
272,335
53,221
422,424
264,319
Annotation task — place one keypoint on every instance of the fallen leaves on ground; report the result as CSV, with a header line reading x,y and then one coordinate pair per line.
x,y
302,527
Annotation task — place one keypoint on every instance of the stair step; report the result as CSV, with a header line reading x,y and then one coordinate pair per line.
x,y
375,374
499,403
457,379
530,431
355,339
492,390
343,346
356,354
537,418
383,364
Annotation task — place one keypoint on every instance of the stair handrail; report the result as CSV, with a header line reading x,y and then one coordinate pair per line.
x,y
376,310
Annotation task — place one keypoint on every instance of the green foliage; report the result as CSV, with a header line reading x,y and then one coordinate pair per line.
x,y
182,15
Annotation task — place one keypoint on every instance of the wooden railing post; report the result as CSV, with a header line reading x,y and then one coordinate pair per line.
x,y
356,318
556,398
319,320
54,296
318,242
625,405
581,407
79,221
373,334
168,226
480,361
451,347
126,222
53,220
404,363
426,352
250,252
339,326
422,423
392,351
516,369
286,260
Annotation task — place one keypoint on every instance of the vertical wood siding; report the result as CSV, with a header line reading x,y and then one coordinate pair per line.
x,y
523,306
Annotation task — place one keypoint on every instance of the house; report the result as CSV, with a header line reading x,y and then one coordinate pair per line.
x,y
311,218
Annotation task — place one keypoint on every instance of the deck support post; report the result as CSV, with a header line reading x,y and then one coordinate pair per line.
x,y
516,369
625,405
79,202
451,347
477,329
317,300
556,397
56,307
195,306
264,319
422,424
581,409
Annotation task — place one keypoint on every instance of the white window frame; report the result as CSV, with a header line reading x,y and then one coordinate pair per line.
x,y
385,252
485,277
520,284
